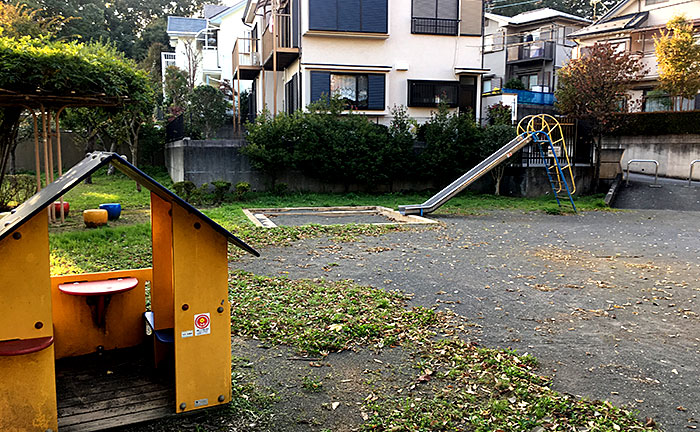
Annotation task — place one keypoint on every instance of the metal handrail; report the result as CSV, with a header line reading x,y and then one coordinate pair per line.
x,y
690,175
656,171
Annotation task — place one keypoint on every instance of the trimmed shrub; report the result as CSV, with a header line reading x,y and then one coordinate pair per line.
x,y
657,123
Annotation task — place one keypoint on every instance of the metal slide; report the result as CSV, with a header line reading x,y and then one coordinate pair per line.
x,y
470,177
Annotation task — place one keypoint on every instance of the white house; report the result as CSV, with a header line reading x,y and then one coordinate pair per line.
x,y
529,47
205,44
374,53
631,26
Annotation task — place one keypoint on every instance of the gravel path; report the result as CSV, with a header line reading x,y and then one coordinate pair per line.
x,y
607,301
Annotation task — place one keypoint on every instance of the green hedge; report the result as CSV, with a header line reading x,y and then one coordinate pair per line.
x,y
658,123
337,146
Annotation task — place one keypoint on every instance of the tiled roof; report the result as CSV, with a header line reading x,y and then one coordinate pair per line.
x,y
543,14
614,24
211,10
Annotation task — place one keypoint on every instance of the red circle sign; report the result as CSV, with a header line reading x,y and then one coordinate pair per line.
x,y
202,322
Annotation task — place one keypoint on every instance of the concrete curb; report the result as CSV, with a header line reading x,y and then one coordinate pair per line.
x,y
612,192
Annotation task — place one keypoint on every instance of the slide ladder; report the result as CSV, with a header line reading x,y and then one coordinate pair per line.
x,y
542,129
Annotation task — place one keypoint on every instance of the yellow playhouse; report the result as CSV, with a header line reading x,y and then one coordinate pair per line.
x,y
82,352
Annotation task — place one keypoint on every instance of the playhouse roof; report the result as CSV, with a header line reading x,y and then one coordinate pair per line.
x,y
83,169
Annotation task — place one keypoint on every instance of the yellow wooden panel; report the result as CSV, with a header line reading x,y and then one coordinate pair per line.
x,y
200,283
28,392
162,284
25,289
75,330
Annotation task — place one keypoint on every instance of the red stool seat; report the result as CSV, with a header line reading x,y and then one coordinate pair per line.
x,y
17,347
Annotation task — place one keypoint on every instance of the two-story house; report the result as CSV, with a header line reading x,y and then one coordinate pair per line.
x,y
203,46
631,26
529,47
373,53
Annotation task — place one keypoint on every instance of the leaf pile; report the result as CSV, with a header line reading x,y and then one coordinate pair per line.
x,y
476,389
319,316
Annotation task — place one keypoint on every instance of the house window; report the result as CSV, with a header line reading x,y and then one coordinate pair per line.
x,y
360,91
363,16
531,81
439,17
291,94
487,86
208,40
653,2
353,89
432,93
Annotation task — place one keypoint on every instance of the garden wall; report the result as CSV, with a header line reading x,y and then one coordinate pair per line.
x,y
674,153
205,161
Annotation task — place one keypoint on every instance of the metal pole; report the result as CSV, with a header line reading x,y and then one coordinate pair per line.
x,y
690,176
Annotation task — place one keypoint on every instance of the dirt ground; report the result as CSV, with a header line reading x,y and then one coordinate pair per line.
x,y
607,301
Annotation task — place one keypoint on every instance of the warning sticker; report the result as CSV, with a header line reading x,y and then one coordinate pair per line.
x,y
202,324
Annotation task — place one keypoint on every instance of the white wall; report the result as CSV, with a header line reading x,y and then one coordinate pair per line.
x,y
428,57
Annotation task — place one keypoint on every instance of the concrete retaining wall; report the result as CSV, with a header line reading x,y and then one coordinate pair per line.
x,y
205,161
674,153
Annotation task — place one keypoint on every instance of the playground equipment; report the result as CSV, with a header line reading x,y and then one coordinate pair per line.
x,y
114,210
94,218
70,346
545,132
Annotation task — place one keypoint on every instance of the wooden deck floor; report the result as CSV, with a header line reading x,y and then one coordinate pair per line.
x,y
113,389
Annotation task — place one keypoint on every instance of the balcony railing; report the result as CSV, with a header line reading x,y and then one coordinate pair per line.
x,y
538,50
283,41
245,53
532,97
436,26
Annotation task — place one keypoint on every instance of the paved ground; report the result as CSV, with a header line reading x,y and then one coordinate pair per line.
x,y
607,301
673,194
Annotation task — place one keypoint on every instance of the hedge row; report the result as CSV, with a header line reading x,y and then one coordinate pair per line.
x,y
658,123
335,146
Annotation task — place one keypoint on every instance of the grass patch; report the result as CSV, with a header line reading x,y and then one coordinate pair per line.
x,y
114,188
318,316
458,386
101,249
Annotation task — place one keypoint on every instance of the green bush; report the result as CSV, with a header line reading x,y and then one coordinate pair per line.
x,y
515,84
240,190
221,188
452,145
184,189
499,114
15,190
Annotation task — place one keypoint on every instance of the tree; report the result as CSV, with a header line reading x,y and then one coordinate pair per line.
x,y
678,57
593,88
65,69
193,57
494,137
20,20
206,111
176,90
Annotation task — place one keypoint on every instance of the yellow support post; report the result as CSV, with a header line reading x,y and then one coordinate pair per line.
x,y
202,313
28,393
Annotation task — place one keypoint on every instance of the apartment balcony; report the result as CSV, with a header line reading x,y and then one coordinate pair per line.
x,y
283,43
246,59
534,51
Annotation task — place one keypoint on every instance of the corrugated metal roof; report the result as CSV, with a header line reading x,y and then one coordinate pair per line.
x,y
84,168
182,25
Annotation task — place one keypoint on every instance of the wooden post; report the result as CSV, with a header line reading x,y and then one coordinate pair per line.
x,y
60,161
37,162
50,178
46,148
239,101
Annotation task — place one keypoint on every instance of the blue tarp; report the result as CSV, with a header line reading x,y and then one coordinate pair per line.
x,y
531,97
